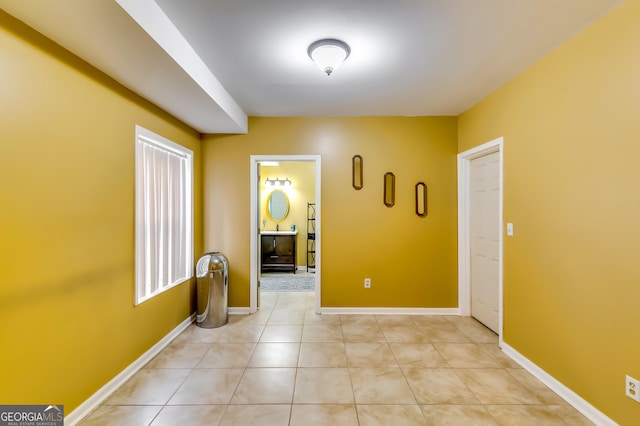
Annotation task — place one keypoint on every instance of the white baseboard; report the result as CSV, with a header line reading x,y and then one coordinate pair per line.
x,y
577,402
239,311
104,392
391,311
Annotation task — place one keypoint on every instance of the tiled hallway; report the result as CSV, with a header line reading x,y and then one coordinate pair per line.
x,y
285,365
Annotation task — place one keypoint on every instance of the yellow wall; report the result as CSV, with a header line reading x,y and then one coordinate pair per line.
x,y
302,191
411,260
67,320
571,276
571,127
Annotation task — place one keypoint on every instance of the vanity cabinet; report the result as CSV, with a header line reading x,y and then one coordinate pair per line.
x,y
279,251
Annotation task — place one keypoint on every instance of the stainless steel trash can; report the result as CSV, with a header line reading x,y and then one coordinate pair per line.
x,y
212,274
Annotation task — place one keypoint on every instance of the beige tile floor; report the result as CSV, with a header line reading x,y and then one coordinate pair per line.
x,y
285,365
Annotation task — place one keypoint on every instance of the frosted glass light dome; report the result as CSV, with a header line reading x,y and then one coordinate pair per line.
x,y
328,54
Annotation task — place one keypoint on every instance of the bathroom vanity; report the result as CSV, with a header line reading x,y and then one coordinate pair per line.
x,y
278,251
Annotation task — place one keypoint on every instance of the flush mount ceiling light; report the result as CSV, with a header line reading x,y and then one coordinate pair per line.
x,y
329,53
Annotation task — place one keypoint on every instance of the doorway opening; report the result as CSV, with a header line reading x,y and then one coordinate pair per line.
x,y
470,220
286,222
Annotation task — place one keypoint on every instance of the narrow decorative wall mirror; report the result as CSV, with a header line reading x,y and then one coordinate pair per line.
x,y
421,199
389,189
356,172
277,205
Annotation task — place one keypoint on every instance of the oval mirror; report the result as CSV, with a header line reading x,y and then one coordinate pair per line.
x,y
277,205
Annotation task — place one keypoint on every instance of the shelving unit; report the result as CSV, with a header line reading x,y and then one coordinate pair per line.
x,y
311,237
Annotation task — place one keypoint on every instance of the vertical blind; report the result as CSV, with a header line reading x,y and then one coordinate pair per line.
x,y
164,225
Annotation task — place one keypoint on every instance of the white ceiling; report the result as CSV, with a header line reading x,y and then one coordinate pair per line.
x,y
212,63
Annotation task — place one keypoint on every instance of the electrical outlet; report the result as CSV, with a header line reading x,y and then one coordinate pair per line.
x,y
367,283
633,388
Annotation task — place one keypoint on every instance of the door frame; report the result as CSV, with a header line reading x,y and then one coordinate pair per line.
x,y
464,225
254,225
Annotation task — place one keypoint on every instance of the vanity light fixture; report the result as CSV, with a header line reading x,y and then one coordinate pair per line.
x,y
329,53
277,182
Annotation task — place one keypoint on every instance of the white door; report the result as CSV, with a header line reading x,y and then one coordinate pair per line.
x,y
484,180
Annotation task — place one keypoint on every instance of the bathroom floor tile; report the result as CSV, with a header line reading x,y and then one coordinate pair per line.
x,y
323,415
125,415
417,355
275,355
443,333
380,386
180,355
409,333
370,355
496,386
570,415
465,355
290,304
430,321
475,331
323,386
397,415
476,415
539,390
208,386
265,386
256,415
195,334
310,317
439,386
268,300
282,333
322,333
236,333
286,317
358,319
227,355
525,415
149,387
322,355
260,317
387,320
172,415
362,333
502,360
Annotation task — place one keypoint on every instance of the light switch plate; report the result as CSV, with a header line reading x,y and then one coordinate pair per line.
x,y
510,229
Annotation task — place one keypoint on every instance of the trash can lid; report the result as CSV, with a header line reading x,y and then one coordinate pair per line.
x,y
217,261
210,262
202,267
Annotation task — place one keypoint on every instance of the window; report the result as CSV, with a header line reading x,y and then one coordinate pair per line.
x,y
164,214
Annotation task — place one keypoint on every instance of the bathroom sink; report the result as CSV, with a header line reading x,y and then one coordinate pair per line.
x,y
278,232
